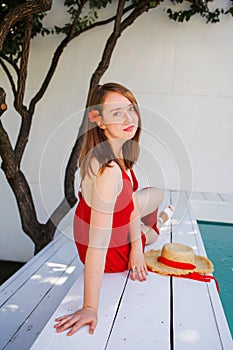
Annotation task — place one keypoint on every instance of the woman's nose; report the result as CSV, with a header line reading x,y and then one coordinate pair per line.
x,y
128,117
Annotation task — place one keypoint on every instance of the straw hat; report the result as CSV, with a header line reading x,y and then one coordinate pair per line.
x,y
177,259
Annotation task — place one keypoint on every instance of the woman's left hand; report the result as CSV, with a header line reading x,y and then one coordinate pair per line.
x,y
137,265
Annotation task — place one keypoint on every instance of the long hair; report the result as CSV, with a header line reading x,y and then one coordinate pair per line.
x,y
96,144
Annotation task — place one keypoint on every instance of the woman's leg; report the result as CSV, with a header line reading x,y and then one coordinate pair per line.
x,y
149,200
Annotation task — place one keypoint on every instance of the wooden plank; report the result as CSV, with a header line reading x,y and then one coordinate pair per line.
x,y
16,309
15,282
27,333
144,315
195,323
112,288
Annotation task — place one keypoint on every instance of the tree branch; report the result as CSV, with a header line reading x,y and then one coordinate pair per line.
x,y
7,154
106,21
111,42
143,6
71,34
57,54
9,76
13,64
119,14
3,105
23,67
23,135
6,150
20,12
55,60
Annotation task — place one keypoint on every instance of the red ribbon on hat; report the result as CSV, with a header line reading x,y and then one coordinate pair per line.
x,y
187,266
176,264
203,278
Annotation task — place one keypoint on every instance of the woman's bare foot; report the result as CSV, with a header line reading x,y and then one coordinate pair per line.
x,y
150,232
165,215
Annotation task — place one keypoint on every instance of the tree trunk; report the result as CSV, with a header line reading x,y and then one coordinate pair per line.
x,y
41,234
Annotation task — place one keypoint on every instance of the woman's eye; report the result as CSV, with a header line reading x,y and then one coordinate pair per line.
x,y
132,109
117,114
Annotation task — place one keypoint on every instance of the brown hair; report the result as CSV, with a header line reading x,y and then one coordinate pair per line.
x,y
96,144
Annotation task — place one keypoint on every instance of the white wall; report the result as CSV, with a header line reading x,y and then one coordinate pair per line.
x,y
182,76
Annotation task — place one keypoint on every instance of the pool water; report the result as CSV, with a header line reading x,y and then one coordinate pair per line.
x,y
218,241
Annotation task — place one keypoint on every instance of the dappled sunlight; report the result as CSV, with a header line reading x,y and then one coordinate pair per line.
x,y
70,269
181,232
36,277
56,266
192,232
10,307
188,336
51,275
53,269
56,281
71,298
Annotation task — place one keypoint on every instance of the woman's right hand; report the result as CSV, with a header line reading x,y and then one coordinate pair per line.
x,y
87,315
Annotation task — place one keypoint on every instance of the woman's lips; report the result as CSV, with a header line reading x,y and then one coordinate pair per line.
x,y
129,129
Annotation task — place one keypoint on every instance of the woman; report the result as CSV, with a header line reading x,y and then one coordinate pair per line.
x,y
113,221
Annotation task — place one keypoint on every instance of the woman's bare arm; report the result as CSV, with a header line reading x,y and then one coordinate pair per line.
x,y
104,194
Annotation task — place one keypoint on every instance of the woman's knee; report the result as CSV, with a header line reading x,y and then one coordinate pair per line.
x,y
160,195
149,199
157,195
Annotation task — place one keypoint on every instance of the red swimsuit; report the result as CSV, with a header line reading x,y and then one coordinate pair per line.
x,y
117,256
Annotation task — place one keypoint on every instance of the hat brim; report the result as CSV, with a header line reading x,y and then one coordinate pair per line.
x,y
203,265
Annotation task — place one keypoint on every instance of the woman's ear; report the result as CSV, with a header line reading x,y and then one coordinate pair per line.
x,y
100,124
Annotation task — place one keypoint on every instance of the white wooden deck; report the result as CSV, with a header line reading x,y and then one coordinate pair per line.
x,y
162,313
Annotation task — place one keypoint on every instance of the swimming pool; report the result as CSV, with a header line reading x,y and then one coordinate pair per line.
x,y
218,241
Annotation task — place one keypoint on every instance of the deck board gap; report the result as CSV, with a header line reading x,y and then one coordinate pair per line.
x,y
221,197
215,318
171,315
116,313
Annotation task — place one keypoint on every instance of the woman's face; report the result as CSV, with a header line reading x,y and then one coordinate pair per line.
x,y
119,118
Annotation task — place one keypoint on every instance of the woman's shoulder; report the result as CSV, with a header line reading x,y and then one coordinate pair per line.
x,y
105,185
110,174
112,170
109,182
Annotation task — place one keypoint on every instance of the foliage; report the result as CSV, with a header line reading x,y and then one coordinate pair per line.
x,y
12,47
13,44
200,7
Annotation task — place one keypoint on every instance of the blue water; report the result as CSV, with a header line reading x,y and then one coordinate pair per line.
x,y
218,241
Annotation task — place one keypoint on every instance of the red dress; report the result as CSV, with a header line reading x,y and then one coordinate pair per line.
x,y
117,256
